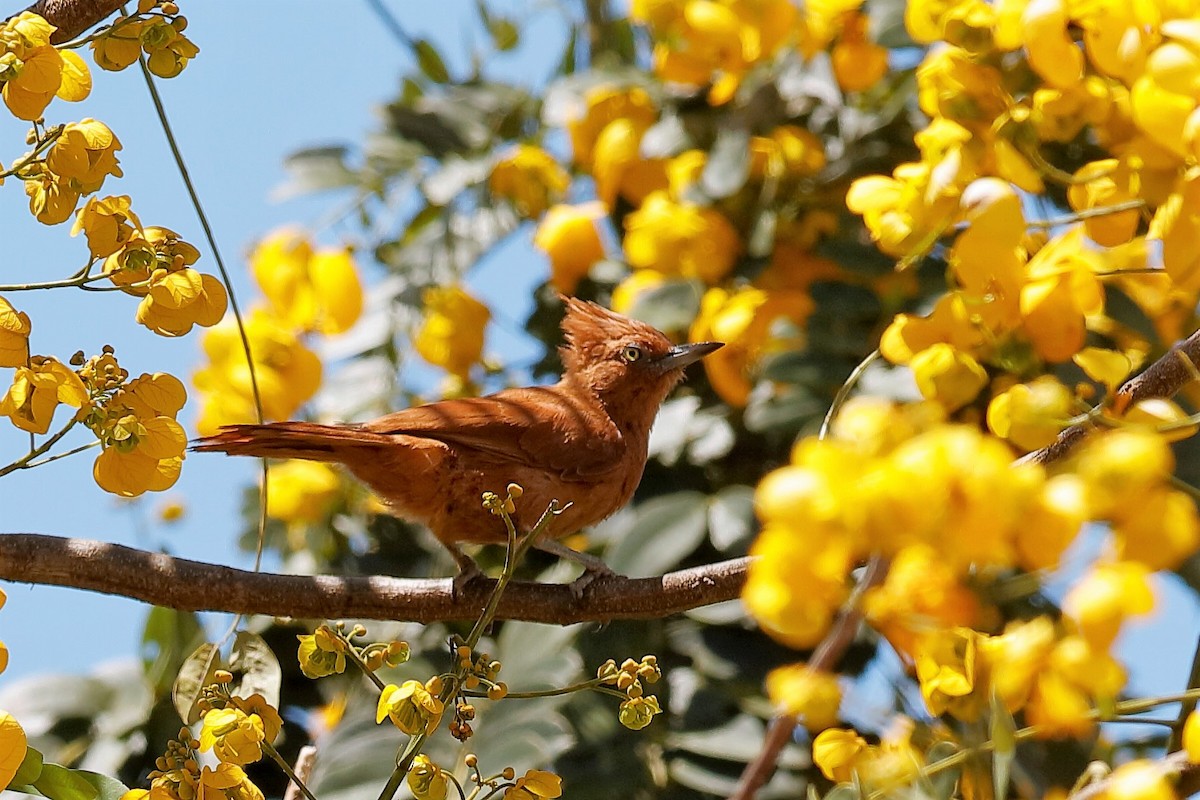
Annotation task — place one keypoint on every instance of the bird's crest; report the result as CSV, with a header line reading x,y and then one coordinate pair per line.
x,y
591,330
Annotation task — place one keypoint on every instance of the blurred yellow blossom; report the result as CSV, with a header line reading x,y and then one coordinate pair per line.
x,y
288,372
569,237
314,290
426,780
1030,415
302,491
530,179
452,330
1107,595
812,696
536,784
680,239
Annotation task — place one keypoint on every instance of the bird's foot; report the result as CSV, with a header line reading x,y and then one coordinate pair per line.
x,y
468,572
591,574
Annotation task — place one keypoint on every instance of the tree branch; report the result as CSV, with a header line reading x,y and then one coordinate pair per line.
x,y
196,586
824,659
1162,379
73,17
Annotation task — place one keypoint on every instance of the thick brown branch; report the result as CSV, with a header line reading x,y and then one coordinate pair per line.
x,y
1164,378
195,586
73,17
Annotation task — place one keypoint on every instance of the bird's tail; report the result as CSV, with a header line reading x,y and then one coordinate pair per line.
x,y
306,440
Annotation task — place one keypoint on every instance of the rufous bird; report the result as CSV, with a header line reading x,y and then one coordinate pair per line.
x,y
582,441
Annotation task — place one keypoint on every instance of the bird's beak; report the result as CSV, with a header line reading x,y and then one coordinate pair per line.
x,y
681,355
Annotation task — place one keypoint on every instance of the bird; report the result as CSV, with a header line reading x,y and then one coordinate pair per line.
x,y
582,441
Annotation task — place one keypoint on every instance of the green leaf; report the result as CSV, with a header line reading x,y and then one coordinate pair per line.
x,y
731,518
107,788
59,783
505,34
196,673
455,175
670,306
1004,741
30,769
316,169
566,65
728,164
430,61
259,669
168,637
667,529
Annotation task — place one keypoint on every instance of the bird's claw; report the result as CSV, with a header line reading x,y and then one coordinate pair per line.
x,y
465,577
590,575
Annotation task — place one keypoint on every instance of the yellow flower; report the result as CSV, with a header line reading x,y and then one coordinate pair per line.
x,y
1101,601
618,166
85,154
410,706
535,785
288,372
117,47
606,104
1052,522
143,445
530,179
1059,708
1161,532
1030,415
947,375
1120,467
38,390
14,335
568,235
313,290
1106,366
168,50
680,239
920,589
33,71
13,747
949,673
426,779
745,319
637,712
52,199
451,334
322,653
858,63
812,696
178,300
797,580
234,736
835,751
1052,53
108,224
1191,737
302,491
1016,658
895,210
1103,183
1142,779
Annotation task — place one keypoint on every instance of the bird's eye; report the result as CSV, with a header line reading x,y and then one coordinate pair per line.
x,y
630,353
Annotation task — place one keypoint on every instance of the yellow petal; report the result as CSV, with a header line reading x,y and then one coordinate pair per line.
x,y
76,80
12,748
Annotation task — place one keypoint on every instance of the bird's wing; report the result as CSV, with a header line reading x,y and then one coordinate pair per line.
x,y
540,427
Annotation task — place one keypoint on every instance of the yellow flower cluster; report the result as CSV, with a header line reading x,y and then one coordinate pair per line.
x,y
142,446
236,732
83,155
413,707
156,266
530,179
308,291
33,71
156,30
452,330
179,776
